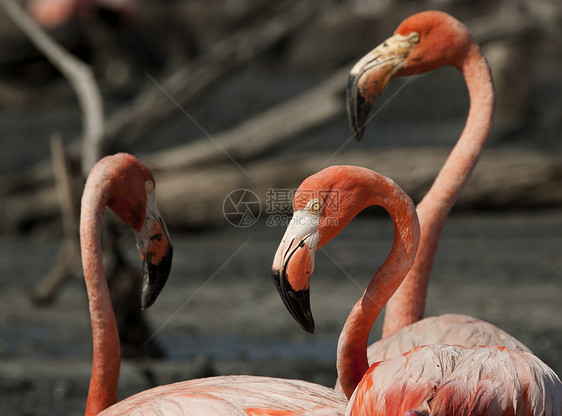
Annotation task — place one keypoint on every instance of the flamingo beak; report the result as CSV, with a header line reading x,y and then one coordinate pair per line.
x,y
371,75
293,265
155,247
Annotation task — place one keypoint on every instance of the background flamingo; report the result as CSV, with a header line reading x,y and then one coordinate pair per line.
x,y
435,379
423,42
124,184
53,13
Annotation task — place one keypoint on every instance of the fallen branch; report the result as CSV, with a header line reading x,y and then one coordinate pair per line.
x,y
78,74
67,262
252,138
153,105
261,133
195,197
511,23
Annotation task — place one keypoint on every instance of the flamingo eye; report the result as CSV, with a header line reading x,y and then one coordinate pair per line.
x,y
314,206
414,37
149,186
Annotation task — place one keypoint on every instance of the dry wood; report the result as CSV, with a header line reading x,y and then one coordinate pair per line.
x,y
503,179
64,186
67,262
261,133
156,102
194,197
153,105
250,139
506,24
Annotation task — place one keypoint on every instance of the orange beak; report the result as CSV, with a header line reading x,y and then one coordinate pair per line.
x,y
371,75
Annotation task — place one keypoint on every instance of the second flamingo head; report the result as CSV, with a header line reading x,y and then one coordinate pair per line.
x,y
323,205
130,193
422,42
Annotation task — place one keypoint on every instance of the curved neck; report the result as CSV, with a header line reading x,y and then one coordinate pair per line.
x,y
352,344
408,303
106,353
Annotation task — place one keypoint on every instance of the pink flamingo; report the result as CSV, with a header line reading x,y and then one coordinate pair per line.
x,y
53,13
423,42
124,184
428,380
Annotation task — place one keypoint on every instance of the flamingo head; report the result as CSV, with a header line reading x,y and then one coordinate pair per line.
x,y
323,205
133,198
422,42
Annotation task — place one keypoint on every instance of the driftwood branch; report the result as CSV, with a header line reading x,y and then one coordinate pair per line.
x,y
30,197
152,105
82,80
66,195
263,132
78,74
516,19
133,328
67,262
509,24
195,197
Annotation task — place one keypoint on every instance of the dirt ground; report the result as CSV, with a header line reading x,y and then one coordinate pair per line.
x,y
220,313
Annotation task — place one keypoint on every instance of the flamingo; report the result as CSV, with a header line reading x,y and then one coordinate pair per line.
x,y
125,185
423,42
427,380
53,13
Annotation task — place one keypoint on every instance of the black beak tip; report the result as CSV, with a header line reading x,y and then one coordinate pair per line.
x,y
358,133
297,302
155,277
357,112
306,321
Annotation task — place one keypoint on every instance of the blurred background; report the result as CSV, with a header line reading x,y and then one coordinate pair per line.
x,y
231,104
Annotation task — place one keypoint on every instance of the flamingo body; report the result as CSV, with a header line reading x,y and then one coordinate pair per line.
x,y
454,380
448,329
234,395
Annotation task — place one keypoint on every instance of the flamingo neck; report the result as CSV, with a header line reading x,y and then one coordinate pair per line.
x,y
407,305
352,344
102,392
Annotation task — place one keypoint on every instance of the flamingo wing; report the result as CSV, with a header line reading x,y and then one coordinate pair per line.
x,y
234,395
454,380
448,329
